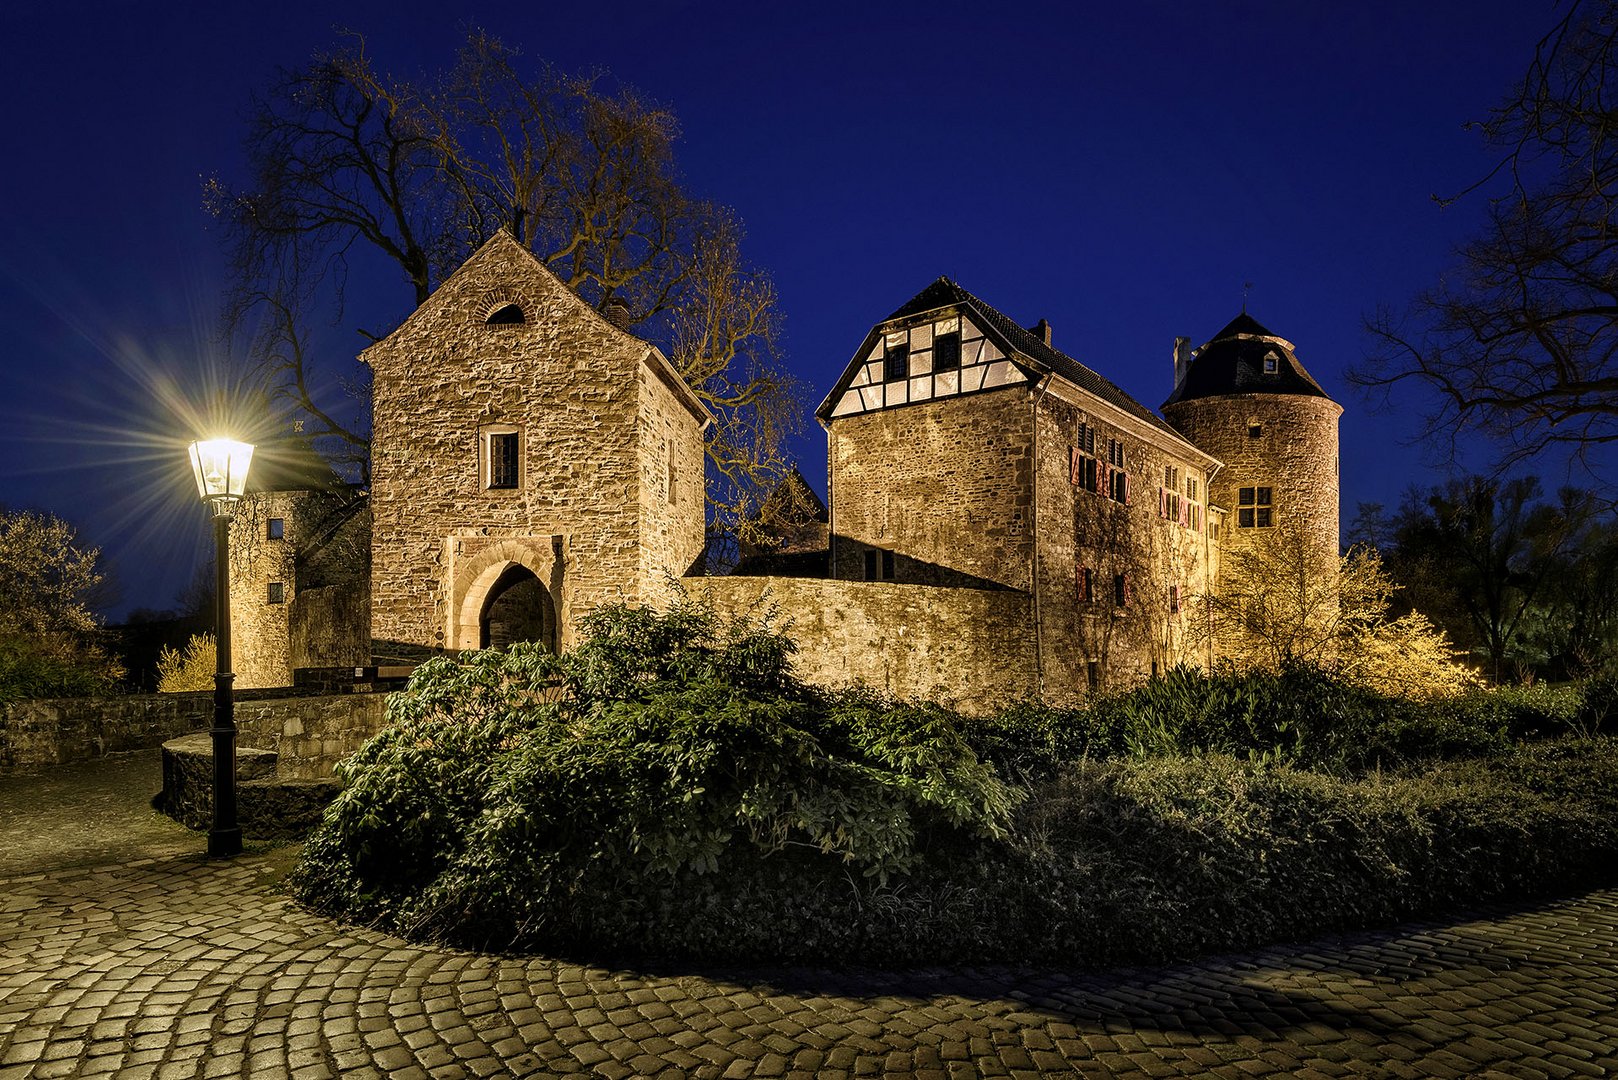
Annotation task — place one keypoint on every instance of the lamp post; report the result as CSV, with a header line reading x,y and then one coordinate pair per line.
x,y
220,468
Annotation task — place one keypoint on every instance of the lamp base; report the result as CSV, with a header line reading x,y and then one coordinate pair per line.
x,y
223,843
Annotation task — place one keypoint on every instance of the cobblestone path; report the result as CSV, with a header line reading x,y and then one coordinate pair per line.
x,y
182,968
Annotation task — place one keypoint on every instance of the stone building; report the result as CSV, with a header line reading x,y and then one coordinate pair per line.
x,y
1001,521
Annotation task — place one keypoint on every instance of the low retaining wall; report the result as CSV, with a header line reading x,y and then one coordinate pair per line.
x,y
268,805
310,733
972,647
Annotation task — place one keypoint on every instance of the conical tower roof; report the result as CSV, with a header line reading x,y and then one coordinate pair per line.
x,y
1245,358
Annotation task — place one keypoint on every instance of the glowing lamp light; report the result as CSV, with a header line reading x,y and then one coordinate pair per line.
x,y
220,468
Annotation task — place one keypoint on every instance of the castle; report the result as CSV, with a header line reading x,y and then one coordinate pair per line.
x,y
1001,522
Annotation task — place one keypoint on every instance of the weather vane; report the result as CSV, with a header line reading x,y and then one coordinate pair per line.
x,y
1247,287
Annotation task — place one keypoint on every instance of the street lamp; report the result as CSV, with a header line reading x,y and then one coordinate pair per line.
x,y
220,467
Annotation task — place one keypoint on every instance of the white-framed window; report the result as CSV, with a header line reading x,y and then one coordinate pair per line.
x,y
500,453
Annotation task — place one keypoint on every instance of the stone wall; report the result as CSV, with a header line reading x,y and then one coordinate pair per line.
x,y
323,542
309,732
1294,453
971,646
945,484
1164,563
568,384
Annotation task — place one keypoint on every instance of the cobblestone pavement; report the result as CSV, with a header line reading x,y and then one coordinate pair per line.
x,y
178,967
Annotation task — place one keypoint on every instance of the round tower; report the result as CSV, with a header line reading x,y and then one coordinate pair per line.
x,y
1245,399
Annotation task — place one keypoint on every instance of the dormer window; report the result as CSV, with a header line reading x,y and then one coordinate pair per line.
x,y
1272,363
506,315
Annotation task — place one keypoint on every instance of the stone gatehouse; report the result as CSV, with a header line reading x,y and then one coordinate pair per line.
x,y
1001,520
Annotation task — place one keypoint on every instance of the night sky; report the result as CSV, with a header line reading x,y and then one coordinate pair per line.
x,y
1120,171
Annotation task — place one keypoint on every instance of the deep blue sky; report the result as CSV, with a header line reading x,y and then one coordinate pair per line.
x,y
1121,171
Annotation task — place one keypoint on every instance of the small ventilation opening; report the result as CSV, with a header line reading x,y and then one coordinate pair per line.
x,y
506,315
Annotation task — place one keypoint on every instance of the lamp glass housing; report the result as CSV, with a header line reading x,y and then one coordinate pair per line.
x,y
220,468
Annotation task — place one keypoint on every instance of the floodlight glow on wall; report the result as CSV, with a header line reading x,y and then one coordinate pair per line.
x,y
220,468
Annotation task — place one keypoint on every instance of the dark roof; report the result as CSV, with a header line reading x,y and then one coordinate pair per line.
x,y
1233,363
946,293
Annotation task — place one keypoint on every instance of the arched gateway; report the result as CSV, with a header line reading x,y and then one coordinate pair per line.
x,y
508,592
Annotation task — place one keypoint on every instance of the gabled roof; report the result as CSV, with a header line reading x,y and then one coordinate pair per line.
x,y
1020,343
504,244
1232,362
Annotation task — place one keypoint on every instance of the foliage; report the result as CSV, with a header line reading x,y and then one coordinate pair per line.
x,y
1274,607
517,796
191,668
345,158
1519,581
1520,339
48,634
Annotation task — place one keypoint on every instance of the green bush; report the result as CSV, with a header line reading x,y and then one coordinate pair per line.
x,y
669,790
1300,716
521,799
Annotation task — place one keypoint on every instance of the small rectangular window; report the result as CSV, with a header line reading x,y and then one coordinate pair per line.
x,y
1085,585
276,529
503,460
1115,453
1254,508
1120,590
887,566
277,593
1092,674
897,365
946,352
1255,431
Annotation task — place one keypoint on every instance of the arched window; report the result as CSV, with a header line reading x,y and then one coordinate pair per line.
x,y
506,315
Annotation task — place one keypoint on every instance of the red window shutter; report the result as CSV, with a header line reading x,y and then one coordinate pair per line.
x,y
1129,499
1073,465
1162,502
1185,512
1128,590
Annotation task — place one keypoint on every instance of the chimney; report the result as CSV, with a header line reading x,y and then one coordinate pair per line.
x,y
1041,330
1182,360
616,311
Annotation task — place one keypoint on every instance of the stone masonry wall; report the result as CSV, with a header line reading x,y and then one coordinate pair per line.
x,y
566,380
971,646
1295,454
673,494
305,730
945,484
1078,529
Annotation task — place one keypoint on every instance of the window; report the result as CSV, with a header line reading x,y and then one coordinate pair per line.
x,y
277,593
1084,470
1174,599
1255,430
878,565
503,460
1191,488
276,529
1087,439
1120,590
1254,508
506,315
946,351
1115,453
1085,583
1092,674
897,365
1272,363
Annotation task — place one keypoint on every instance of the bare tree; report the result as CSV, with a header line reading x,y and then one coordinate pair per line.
x,y
1520,340
344,159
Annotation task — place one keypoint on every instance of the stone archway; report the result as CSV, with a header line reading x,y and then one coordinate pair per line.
x,y
517,607
481,583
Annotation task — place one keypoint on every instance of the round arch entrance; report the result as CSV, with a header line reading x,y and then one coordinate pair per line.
x,y
518,607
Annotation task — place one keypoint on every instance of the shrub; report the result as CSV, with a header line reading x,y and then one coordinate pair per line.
x,y
192,668
518,798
